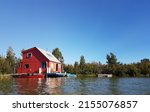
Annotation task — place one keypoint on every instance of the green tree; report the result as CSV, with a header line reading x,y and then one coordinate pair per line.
x,y
132,70
144,66
112,63
82,61
68,68
5,67
10,55
120,70
76,67
111,59
57,53
95,68
82,65
2,60
10,58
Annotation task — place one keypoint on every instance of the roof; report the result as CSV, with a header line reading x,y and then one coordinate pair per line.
x,y
48,55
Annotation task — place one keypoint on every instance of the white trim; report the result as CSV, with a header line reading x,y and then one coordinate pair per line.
x,y
48,69
40,70
29,55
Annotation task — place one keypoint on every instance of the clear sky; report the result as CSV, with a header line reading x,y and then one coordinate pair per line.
x,y
92,28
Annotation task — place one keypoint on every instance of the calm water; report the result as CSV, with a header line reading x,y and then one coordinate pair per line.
x,y
75,86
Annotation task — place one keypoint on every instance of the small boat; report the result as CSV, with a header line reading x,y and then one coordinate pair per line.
x,y
28,76
56,75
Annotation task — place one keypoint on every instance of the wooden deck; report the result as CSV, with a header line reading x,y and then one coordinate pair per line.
x,y
104,75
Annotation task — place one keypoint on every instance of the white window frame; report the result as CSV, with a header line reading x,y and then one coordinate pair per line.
x,y
29,55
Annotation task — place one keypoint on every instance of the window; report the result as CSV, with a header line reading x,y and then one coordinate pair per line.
x,y
56,67
26,66
29,55
43,65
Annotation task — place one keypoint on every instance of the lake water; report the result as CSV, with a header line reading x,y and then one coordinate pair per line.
x,y
74,86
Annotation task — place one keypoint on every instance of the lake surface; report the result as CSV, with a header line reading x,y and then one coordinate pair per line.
x,y
74,86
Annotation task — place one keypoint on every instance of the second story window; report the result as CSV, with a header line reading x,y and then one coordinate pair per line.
x,y
29,55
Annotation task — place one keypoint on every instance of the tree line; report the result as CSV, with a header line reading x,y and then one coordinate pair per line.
x,y
8,65
114,67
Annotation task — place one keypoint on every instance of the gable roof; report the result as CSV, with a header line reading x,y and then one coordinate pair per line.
x,y
48,55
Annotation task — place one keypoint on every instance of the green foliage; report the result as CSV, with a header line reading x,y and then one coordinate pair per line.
x,y
82,61
112,63
132,70
111,59
93,68
8,63
2,63
83,67
10,60
112,67
144,66
57,53
69,68
120,70
76,67
10,55
5,67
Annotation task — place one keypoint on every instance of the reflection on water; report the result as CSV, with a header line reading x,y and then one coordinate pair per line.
x,y
51,86
34,86
113,86
75,86
26,86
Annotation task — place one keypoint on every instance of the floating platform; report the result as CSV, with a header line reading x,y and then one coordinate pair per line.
x,y
28,76
104,75
56,75
37,75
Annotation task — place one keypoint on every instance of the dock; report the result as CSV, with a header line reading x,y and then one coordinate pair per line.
x,y
104,75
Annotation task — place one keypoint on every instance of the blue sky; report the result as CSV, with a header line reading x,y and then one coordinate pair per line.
x,y
92,28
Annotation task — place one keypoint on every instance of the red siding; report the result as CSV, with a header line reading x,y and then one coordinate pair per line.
x,y
35,62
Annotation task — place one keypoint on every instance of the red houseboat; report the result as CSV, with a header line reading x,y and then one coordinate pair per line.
x,y
37,62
